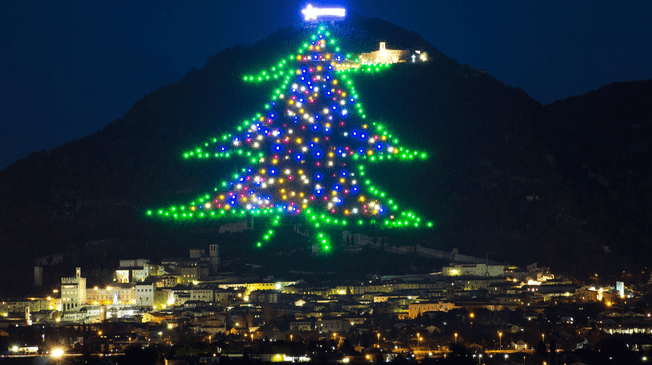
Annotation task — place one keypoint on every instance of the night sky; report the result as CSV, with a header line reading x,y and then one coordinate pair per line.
x,y
68,68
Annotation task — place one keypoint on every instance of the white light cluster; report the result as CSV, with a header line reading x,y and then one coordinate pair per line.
x,y
312,13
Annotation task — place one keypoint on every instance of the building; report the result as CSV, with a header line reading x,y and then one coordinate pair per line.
x,y
145,294
414,309
332,325
301,325
474,270
196,266
136,271
112,295
384,55
20,306
73,291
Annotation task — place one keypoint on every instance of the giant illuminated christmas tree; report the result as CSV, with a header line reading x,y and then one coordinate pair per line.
x,y
307,151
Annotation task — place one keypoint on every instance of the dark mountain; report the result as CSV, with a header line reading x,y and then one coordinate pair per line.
x,y
566,184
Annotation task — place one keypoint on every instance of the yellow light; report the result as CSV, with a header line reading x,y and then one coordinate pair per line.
x,y
57,352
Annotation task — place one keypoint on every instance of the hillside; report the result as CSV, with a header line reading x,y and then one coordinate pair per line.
x,y
506,175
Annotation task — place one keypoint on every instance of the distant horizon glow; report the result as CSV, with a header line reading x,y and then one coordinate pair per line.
x,y
312,13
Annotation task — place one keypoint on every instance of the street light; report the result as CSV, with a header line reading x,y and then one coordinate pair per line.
x,y
500,339
456,338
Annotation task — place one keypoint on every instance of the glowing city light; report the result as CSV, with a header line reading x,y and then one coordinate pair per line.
x,y
57,352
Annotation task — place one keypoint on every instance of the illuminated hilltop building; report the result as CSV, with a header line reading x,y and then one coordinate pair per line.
x,y
389,56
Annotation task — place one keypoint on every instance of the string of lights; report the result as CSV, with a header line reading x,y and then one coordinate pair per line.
x,y
307,151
